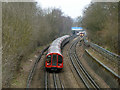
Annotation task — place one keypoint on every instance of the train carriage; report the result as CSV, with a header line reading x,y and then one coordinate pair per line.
x,y
54,58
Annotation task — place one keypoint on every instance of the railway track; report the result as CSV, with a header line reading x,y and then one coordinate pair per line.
x,y
46,80
56,81
82,73
111,57
30,76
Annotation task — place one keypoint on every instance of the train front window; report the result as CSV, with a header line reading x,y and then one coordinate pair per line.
x,y
49,58
54,60
54,57
59,59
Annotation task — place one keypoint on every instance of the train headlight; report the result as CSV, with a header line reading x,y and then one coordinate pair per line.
x,y
48,63
59,64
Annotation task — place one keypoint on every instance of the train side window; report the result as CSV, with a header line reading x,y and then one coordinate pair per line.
x,y
49,58
59,59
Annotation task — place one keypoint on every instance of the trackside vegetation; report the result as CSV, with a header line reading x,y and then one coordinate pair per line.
x,y
100,19
26,26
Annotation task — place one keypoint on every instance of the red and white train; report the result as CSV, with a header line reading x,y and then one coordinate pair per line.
x,y
54,58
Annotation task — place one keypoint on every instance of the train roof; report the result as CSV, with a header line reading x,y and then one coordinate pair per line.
x,y
56,44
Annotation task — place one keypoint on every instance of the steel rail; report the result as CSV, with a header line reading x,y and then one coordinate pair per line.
x,y
79,74
46,80
101,50
83,69
83,74
55,81
30,76
100,63
104,66
62,86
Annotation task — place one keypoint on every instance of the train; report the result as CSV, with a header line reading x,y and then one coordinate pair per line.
x,y
82,33
79,31
54,57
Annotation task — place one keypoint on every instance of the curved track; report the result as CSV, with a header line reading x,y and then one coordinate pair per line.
x,y
30,76
82,73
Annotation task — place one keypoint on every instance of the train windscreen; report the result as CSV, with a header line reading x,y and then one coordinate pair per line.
x,y
54,60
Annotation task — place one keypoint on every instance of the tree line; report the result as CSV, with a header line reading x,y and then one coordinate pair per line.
x,y
26,26
100,20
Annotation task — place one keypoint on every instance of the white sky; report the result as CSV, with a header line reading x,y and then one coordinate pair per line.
x,y
71,8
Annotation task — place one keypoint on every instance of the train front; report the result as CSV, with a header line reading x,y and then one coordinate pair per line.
x,y
54,61
54,58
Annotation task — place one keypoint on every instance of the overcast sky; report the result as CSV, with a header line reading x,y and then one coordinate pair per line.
x,y
71,8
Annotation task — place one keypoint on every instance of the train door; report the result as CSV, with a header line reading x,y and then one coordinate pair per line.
x,y
54,60
60,60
